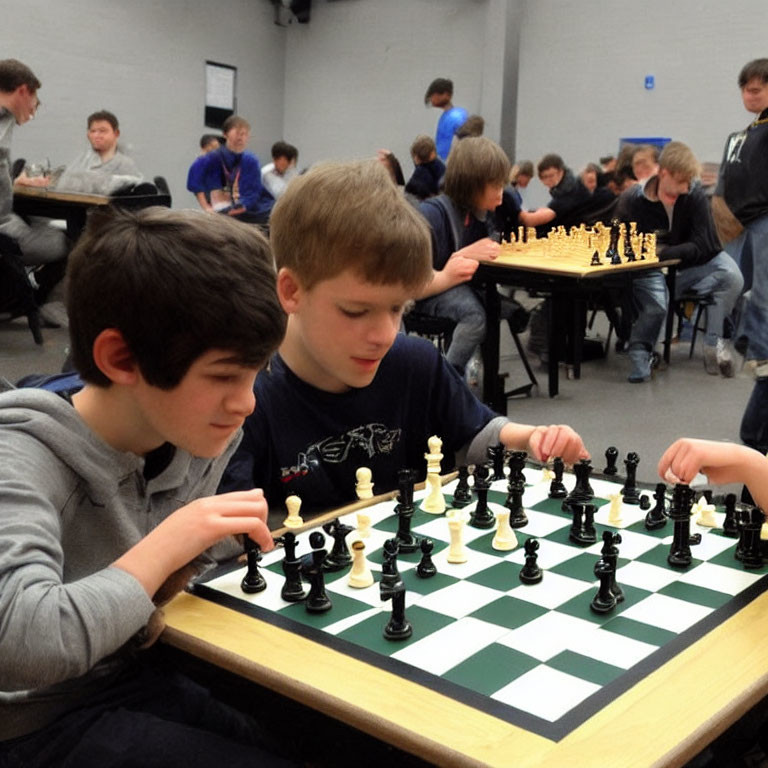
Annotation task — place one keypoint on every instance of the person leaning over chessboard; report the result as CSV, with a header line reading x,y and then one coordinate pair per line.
x,y
105,499
670,204
346,389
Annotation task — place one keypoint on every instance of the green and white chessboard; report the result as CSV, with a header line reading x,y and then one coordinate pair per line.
x,y
534,655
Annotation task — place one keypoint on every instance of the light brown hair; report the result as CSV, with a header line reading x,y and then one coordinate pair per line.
x,y
473,163
678,159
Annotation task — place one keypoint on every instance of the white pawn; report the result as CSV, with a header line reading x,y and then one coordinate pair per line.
x,y
364,486
614,512
707,517
457,552
363,525
294,519
505,538
360,575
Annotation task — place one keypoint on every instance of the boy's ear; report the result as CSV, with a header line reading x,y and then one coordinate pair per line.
x,y
114,358
289,290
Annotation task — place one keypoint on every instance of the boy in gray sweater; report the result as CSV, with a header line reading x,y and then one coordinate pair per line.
x,y
106,502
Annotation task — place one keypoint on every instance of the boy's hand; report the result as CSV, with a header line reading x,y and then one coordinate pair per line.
x,y
547,442
192,529
481,250
721,462
458,269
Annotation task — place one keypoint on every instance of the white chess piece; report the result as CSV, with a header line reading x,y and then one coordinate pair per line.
x,y
547,475
457,552
505,538
363,525
360,575
364,486
294,519
434,503
707,517
614,512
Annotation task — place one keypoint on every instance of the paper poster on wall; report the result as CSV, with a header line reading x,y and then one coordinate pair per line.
x,y
220,100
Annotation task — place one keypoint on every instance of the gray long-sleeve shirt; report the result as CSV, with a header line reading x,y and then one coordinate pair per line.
x,y
69,506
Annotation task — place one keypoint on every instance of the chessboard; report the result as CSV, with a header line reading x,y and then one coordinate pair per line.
x,y
537,655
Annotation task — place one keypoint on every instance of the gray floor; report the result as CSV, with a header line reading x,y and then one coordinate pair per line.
x,y
602,406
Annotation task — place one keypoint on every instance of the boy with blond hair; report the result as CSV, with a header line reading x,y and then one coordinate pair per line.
x,y
345,389
669,204
106,502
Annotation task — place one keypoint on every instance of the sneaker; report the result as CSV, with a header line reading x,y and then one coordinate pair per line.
x,y
724,359
710,360
640,359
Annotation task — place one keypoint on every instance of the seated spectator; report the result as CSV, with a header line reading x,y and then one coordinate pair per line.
x,y
567,194
475,174
645,161
474,125
521,174
209,142
276,175
428,170
231,177
668,204
103,169
608,163
590,175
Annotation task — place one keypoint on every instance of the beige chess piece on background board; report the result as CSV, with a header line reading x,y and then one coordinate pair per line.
x,y
364,485
294,519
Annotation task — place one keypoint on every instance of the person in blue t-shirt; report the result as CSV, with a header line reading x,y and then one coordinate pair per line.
x,y
440,95
345,389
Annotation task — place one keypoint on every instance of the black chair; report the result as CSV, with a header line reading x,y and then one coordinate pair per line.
x,y
162,187
691,304
17,296
438,330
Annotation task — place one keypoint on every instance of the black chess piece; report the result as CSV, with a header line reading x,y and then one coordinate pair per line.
x,y
730,524
253,581
339,557
389,571
595,260
630,493
604,601
293,588
556,487
645,502
657,517
582,491
404,510
629,253
398,627
426,568
462,494
531,573
496,457
582,530
482,516
610,553
680,513
514,503
317,600
611,457
742,520
752,556
516,466
612,254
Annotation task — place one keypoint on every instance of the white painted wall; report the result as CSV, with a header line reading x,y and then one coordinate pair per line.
x,y
144,60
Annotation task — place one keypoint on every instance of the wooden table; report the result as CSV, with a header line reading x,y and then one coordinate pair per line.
x,y
568,285
74,206
663,720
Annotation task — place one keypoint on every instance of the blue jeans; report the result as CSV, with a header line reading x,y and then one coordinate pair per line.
x,y
750,252
462,305
754,423
649,302
721,278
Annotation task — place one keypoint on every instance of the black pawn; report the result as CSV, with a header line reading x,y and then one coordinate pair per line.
x,y
496,457
462,495
657,517
317,599
531,573
595,260
645,502
730,524
253,581
610,553
293,588
482,517
604,601
611,457
630,494
556,487
426,568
